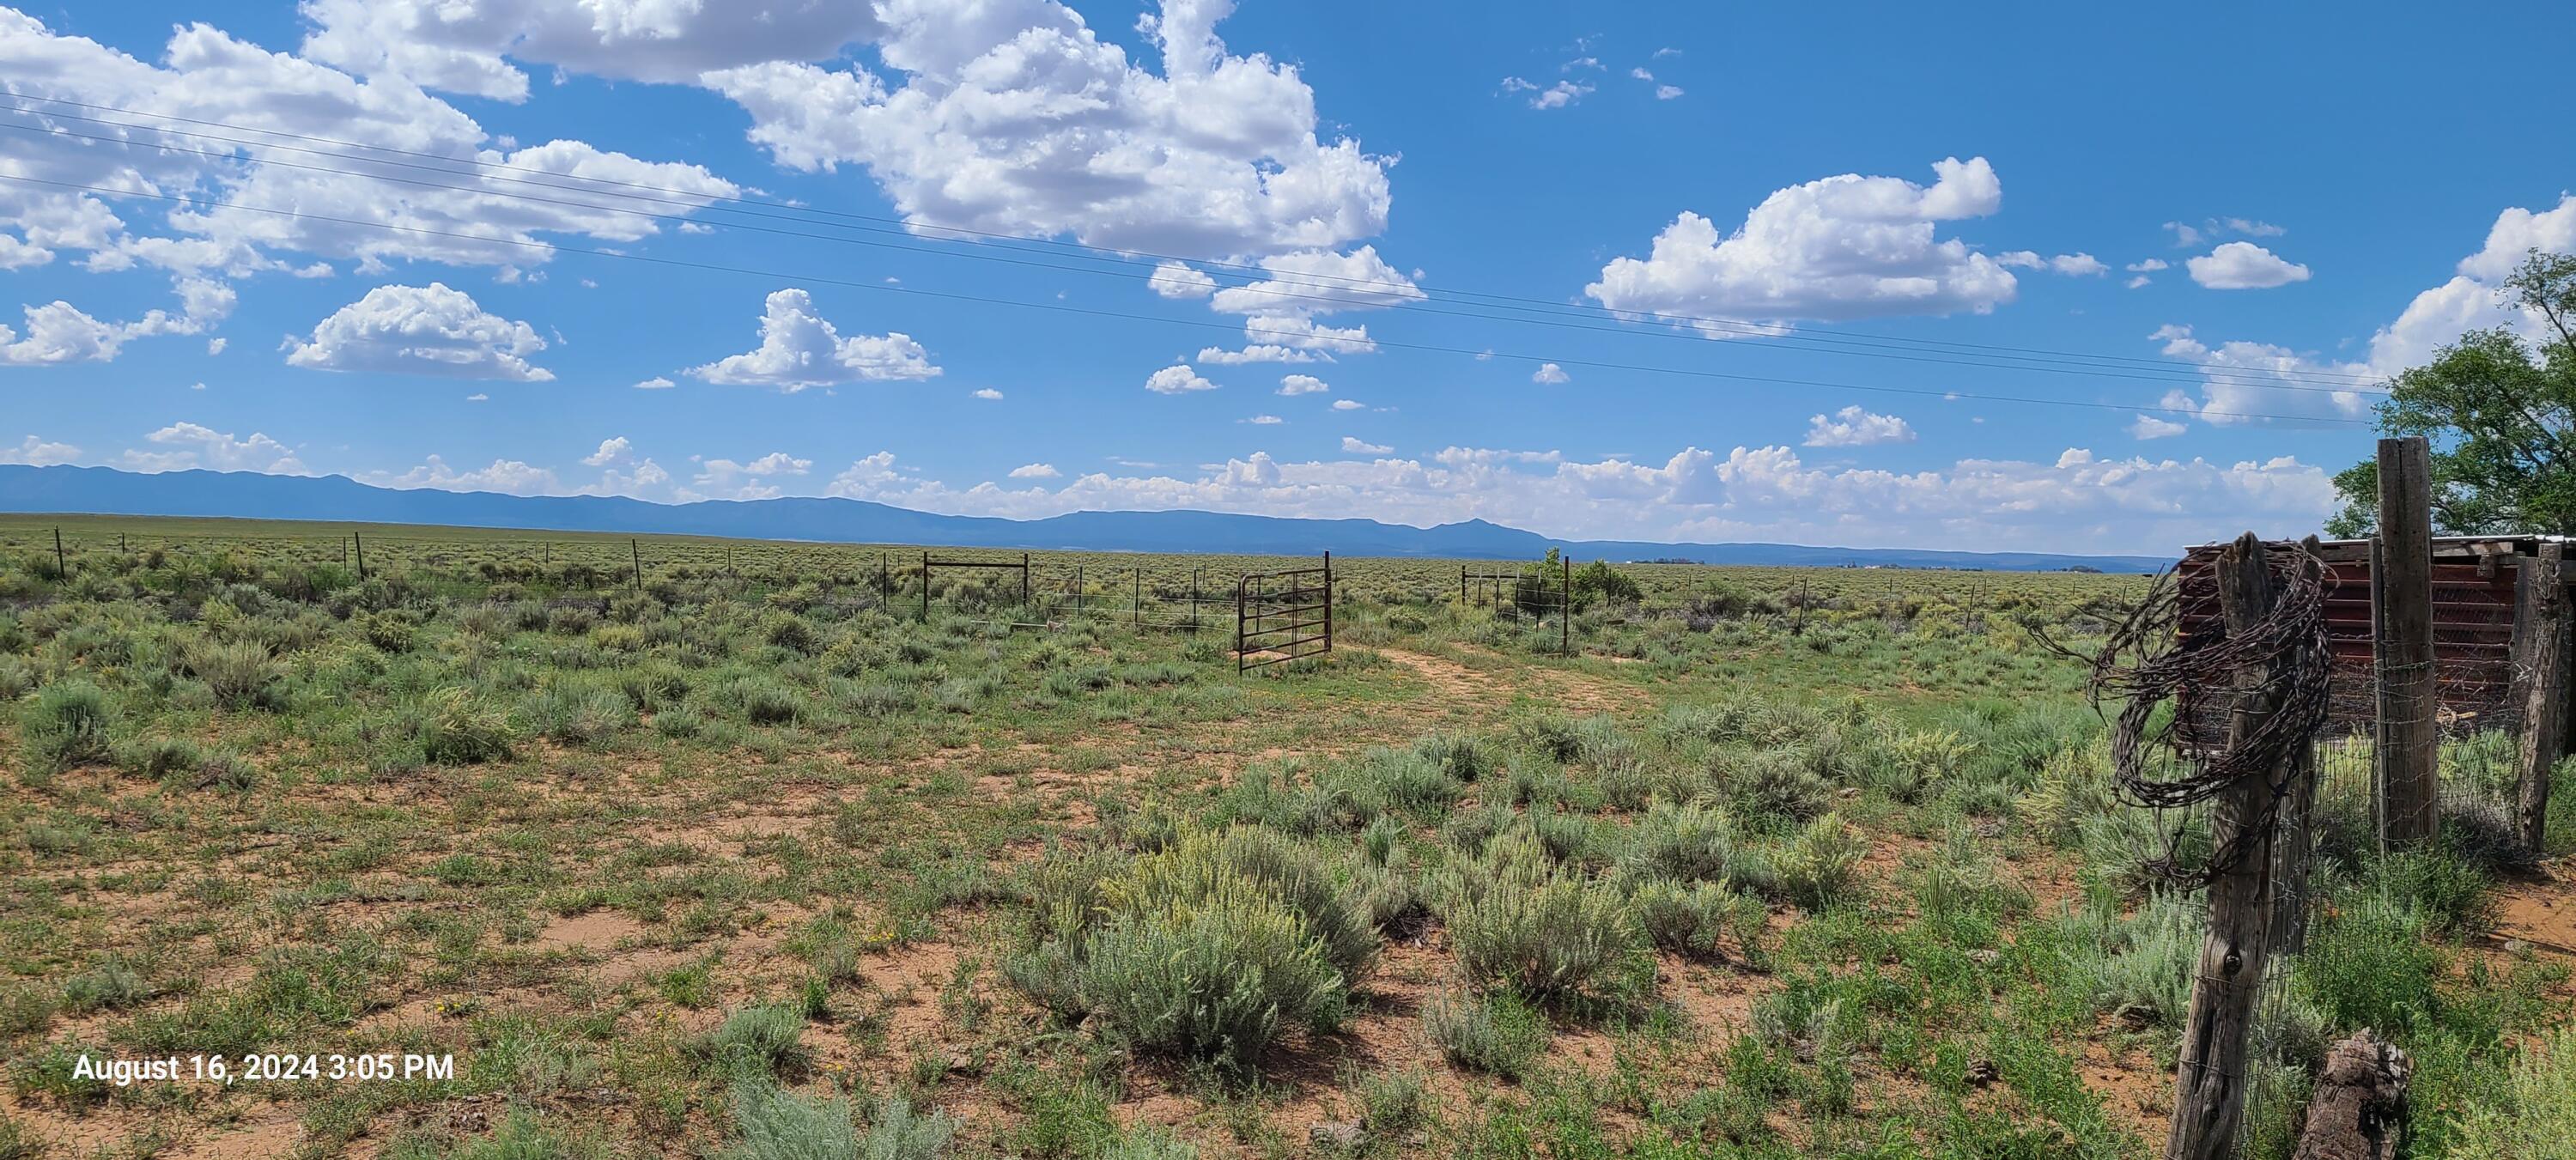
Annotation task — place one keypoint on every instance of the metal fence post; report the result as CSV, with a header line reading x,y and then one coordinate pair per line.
x,y
360,544
1328,602
1136,611
637,555
62,570
1024,582
925,587
1565,609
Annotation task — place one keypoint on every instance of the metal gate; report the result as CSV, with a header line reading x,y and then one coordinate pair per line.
x,y
1283,616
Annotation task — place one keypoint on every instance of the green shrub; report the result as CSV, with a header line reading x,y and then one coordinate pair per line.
x,y
1218,980
1495,1034
1694,919
1560,940
759,1042
67,725
574,715
897,1132
1773,785
160,757
763,701
239,674
389,630
777,1124
1821,865
2532,1116
1205,866
453,728
2143,963
1210,949
107,987
1690,843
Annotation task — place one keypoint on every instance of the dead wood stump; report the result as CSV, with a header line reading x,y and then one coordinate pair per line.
x,y
2359,1111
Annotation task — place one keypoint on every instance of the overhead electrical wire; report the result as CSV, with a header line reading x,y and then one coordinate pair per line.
x,y
1248,329
2018,358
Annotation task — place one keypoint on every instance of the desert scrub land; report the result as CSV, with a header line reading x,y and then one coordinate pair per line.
x,y
734,862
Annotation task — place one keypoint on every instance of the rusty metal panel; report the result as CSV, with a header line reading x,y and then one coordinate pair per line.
x,y
2473,622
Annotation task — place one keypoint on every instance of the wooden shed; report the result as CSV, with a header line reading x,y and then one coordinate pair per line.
x,y
2478,598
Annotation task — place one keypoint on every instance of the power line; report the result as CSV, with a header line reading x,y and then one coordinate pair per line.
x,y
1248,329
2357,383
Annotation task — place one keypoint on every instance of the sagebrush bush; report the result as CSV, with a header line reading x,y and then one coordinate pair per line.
x,y
1683,843
2142,963
1563,939
1205,865
240,674
1219,980
1210,949
1696,919
1772,785
1495,1034
758,1042
452,727
777,1124
1821,865
574,715
67,724
2532,1115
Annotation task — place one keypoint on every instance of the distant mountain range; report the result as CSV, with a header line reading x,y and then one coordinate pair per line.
x,y
250,495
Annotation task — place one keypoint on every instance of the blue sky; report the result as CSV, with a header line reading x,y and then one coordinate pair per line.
x,y
1729,266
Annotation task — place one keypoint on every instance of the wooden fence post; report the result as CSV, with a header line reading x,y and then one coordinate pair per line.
x,y
1136,602
62,569
925,587
636,554
360,543
2410,737
2540,651
1024,583
2292,843
2209,1095
1194,597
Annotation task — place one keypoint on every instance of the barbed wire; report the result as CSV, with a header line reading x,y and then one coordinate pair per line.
x,y
2281,664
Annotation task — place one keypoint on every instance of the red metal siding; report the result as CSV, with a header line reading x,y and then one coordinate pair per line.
x,y
2473,616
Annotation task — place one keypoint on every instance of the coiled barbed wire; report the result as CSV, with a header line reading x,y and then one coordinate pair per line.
x,y
2276,671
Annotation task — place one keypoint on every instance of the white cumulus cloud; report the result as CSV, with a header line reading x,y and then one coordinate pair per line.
x,y
1855,427
1833,249
1302,385
800,349
1177,379
1550,374
421,330
2244,266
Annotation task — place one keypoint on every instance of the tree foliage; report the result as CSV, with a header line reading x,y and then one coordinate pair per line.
x,y
2500,413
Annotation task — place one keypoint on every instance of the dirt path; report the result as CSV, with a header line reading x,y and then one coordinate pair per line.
x,y
1458,685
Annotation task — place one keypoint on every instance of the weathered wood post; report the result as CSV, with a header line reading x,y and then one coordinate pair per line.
x,y
1024,583
1194,597
2292,843
2409,748
2540,653
359,543
2209,1084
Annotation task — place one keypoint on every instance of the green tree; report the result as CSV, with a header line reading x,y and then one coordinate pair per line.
x,y
2500,414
